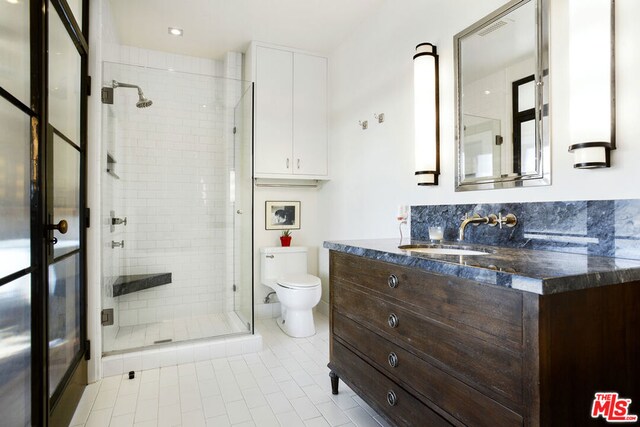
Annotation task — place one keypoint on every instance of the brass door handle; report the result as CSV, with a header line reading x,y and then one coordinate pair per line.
x,y
62,227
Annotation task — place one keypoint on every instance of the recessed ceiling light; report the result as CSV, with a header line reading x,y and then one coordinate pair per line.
x,y
487,92
175,31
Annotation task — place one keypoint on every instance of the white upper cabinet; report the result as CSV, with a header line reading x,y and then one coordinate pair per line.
x,y
290,113
309,115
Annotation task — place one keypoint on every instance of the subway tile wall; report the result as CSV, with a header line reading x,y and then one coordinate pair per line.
x,y
173,161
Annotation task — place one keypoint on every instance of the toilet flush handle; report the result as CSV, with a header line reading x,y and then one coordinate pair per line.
x,y
269,256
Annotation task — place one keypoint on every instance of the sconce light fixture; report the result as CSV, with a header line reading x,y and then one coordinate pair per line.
x,y
426,114
592,87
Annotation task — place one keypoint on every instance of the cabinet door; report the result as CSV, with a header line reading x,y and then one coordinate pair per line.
x,y
310,115
274,111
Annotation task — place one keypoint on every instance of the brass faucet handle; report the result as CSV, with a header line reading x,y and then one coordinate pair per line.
x,y
510,220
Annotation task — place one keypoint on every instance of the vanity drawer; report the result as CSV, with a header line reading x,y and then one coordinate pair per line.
x,y
380,392
455,397
492,313
494,370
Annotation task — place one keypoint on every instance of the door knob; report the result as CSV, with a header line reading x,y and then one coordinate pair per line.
x,y
62,227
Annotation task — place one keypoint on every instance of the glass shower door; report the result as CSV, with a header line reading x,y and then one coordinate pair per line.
x,y
243,207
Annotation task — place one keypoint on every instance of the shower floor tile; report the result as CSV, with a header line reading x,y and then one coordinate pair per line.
x,y
207,326
286,384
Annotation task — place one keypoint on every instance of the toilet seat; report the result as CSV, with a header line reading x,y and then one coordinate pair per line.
x,y
299,281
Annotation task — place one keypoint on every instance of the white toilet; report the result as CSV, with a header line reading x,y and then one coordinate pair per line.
x,y
284,269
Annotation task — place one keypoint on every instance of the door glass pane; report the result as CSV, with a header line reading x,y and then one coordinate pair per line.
x,y
241,191
76,8
15,352
15,246
64,80
64,317
15,49
528,146
66,195
527,96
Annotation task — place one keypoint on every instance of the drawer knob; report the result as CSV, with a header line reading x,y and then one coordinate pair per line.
x,y
393,359
392,399
393,281
393,320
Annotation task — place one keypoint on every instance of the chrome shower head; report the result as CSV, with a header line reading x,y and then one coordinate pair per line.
x,y
142,101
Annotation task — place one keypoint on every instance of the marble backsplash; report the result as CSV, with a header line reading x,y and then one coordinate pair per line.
x,y
595,227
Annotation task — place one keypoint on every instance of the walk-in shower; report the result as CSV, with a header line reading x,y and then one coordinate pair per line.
x,y
176,207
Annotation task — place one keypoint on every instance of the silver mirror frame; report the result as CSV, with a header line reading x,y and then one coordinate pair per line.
x,y
542,176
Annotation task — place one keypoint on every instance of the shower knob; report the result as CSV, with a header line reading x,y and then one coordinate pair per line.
x,y
239,211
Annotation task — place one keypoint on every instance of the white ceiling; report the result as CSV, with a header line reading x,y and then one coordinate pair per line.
x,y
213,27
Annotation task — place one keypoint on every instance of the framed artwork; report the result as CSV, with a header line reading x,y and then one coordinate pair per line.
x,y
282,215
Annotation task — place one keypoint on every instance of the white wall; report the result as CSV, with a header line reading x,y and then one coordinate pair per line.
x,y
372,71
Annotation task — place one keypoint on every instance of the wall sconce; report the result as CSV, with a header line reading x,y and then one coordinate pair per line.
x,y
592,87
426,114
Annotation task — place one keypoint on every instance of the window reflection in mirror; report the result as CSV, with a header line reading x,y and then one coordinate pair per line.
x,y
498,63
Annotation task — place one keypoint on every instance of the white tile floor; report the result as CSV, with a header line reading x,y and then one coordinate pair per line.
x,y
287,384
177,330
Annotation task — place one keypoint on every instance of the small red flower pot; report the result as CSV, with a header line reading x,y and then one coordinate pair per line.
x,y
285,240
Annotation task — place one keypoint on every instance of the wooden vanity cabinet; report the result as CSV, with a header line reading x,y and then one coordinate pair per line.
x,y
427,350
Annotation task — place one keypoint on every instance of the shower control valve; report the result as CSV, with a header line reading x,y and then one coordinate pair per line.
x,y
115,244
118,221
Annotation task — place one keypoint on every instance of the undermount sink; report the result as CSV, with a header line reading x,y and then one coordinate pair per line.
x,y
441,250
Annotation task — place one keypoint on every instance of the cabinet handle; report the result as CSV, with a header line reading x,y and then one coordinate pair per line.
x,y
393,320
393,281
298,163
392,399
287,163
393,359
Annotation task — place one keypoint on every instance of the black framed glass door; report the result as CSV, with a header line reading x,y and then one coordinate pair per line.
x,y
43,83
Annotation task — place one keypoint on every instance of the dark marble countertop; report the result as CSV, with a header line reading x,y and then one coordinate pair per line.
x,y
540,272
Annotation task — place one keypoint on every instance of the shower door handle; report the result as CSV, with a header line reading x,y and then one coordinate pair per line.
x,y
287,163
298,163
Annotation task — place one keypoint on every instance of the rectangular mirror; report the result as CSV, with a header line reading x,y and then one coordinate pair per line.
x,y
502,99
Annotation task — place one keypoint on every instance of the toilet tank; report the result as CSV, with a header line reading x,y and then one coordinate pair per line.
x,y
277,261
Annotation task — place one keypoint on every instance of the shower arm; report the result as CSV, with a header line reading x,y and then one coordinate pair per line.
x,y
115,84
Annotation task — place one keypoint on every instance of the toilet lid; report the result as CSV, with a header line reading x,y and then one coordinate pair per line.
x,y
299,281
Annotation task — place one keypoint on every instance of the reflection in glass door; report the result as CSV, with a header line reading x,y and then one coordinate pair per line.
x,y
16,266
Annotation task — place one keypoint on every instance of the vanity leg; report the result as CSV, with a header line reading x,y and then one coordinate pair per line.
x,y
334,382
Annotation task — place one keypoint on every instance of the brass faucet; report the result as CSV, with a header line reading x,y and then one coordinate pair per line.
x,y
475,219
491,220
